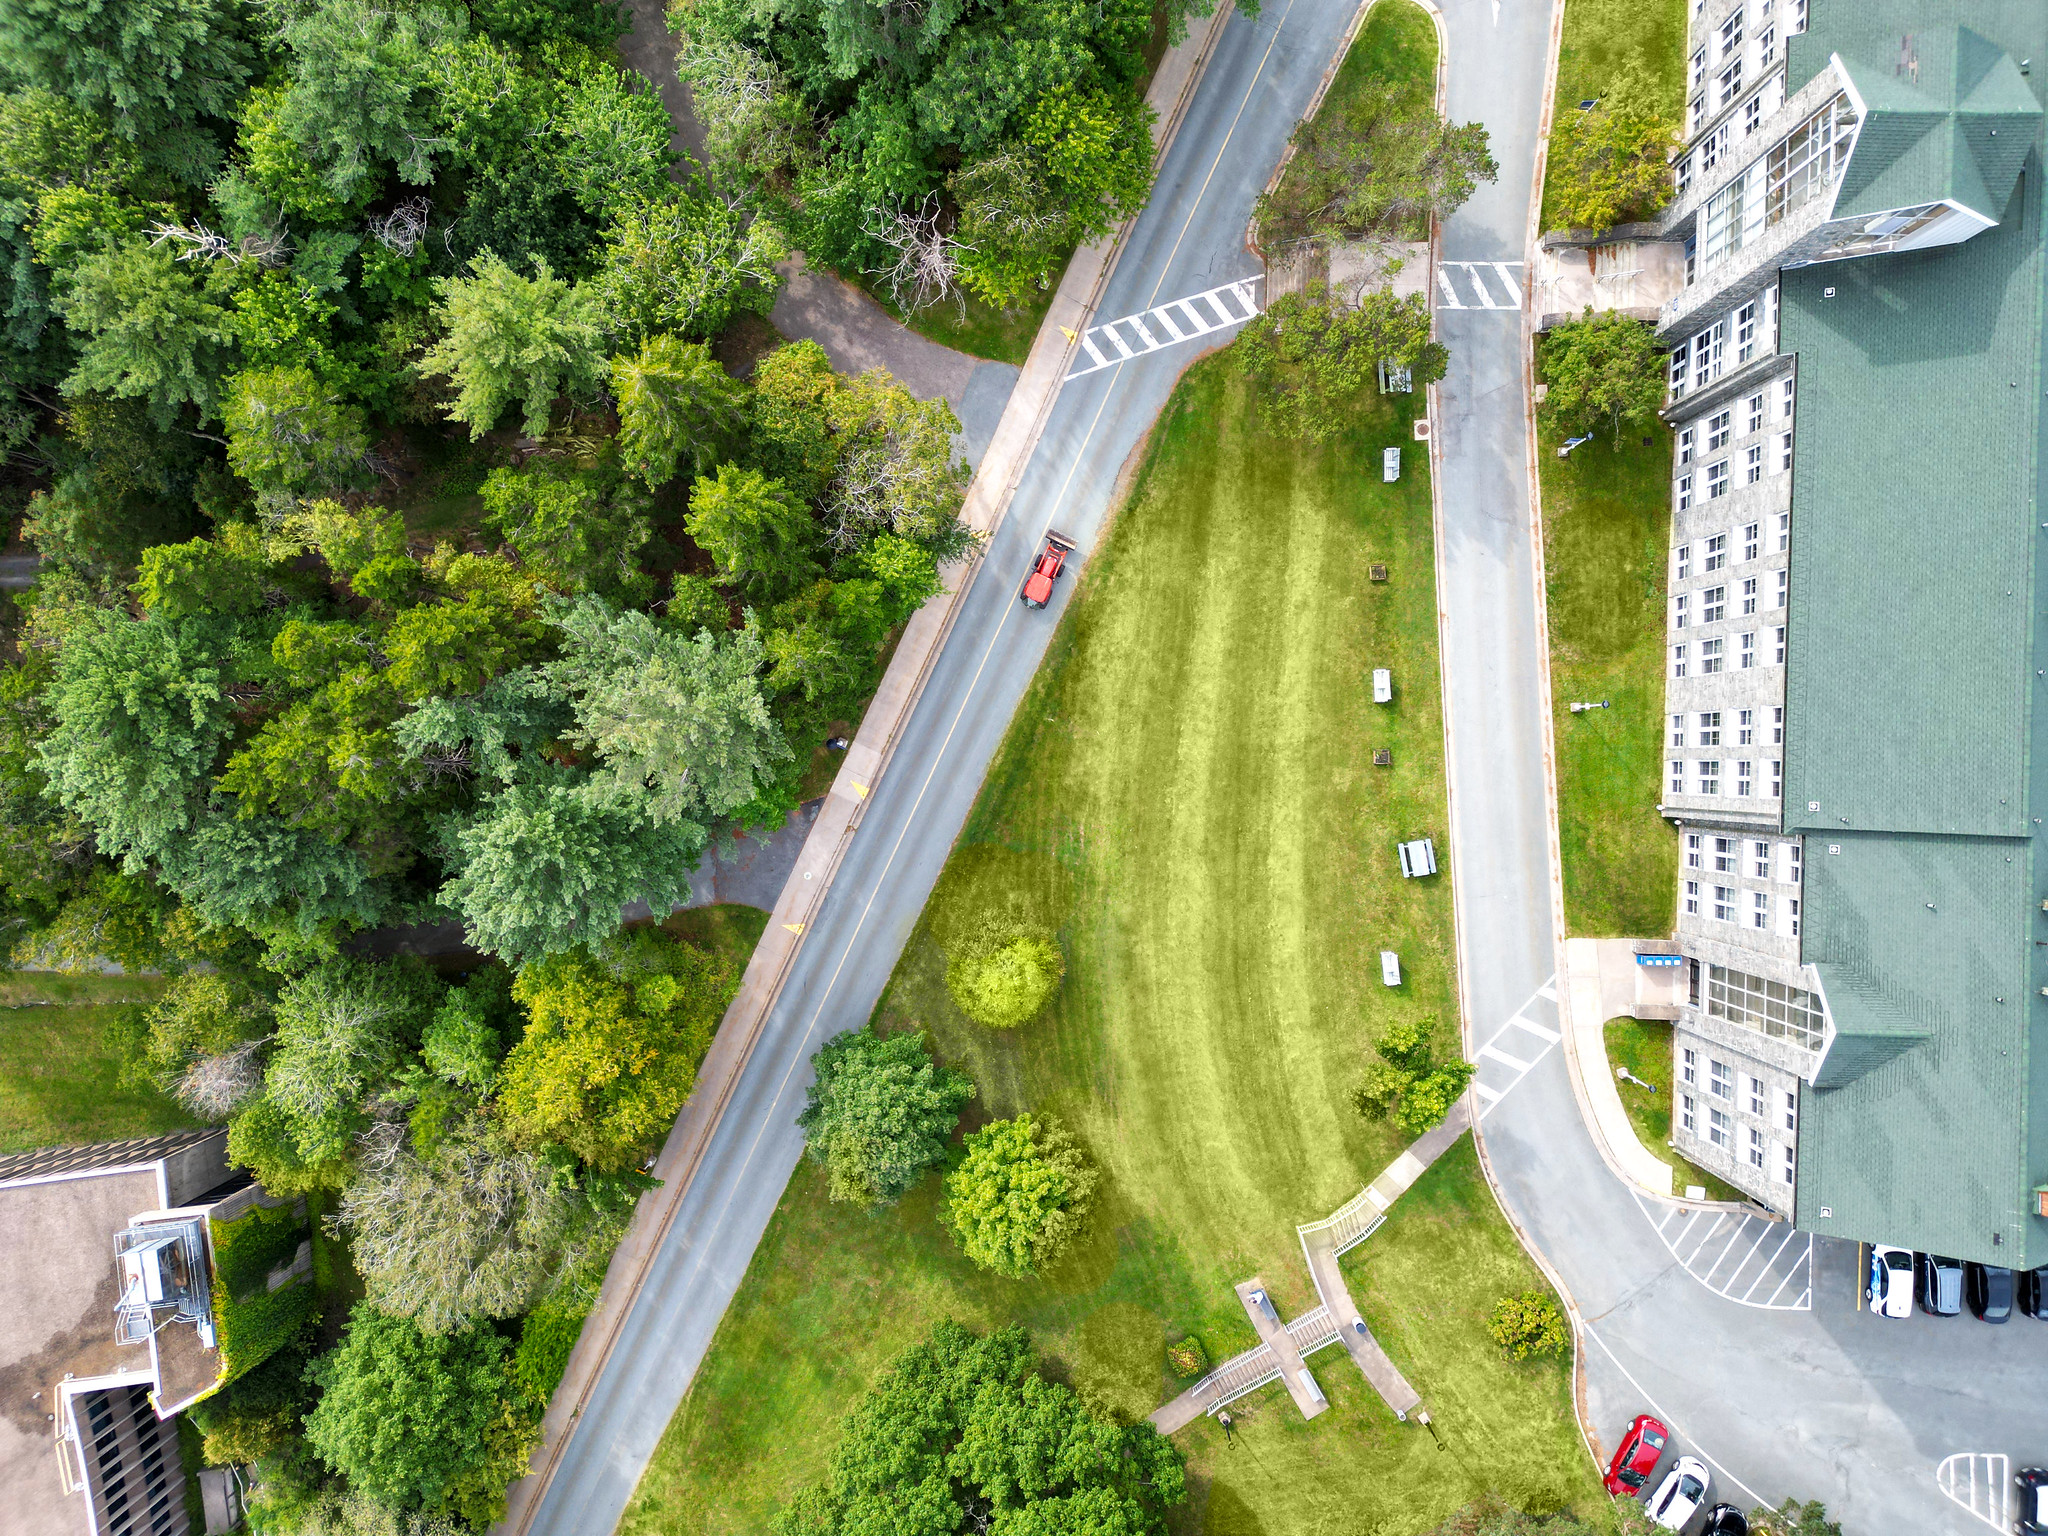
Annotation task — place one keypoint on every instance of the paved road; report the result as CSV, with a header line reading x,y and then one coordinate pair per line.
x,y
1822,1403
1189,239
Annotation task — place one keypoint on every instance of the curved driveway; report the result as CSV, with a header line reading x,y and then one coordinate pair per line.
x,y
1189,239
1824,1403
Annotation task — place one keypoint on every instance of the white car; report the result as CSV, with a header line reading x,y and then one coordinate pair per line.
x,y
1680,1495
1888,1286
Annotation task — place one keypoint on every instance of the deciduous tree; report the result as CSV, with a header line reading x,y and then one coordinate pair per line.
x,y
1602,365
762,538
1002,973
513,338
1612,162
1316,355
879,1113
580,527
288,431
686,263
1020,1196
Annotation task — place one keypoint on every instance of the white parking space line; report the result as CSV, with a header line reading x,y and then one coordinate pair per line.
x,y
1163,332
1740,1256
1547,992
1494,1053
1508,278
1535,1029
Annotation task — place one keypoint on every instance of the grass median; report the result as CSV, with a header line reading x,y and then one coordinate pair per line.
x,y
1599,36
1643,1049
1189,784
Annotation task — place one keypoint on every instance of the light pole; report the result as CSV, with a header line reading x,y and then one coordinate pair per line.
x,y
1572,442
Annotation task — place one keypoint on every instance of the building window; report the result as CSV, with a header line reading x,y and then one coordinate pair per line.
x,y
1792,852
1784,456
1724,903
1685,493
1720,1081
1699,68
1784,530
1706,347
1798,16
1730,82
1678,359
1777,779
1685,446
1685,1113
1711,657
1791,917
1753,465
1756,1147
1725,855
1684,174
1708,776
1678,730
1692,850
1743,778
1717,546
1785,1170
1777,725
1752,115
1745,332
1756,1098
1760,915
1749,647
1682,559
1680,617
1756,413
1784,585
1731,32
1745,731
1713,605
1692,892
1752,540
1791,1105
1785,399
1710,728
1760,861
1809,160
1778,646
1767,47
1717,431
1717,479
1718,1128
1749,591
1768,1007
1689,1065
1678,661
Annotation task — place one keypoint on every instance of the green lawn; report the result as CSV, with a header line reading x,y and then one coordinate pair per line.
x,y
1187,793
60,1066
1644,1047
1606,543
969,325
1599,35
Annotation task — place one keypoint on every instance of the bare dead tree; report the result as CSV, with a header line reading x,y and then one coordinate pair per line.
x,y
198,243
927,265
214,1087
403,228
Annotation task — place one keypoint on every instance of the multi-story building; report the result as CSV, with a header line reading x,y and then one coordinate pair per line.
x,y
1856,641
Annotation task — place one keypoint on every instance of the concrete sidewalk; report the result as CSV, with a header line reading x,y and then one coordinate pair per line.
x,y
1601,984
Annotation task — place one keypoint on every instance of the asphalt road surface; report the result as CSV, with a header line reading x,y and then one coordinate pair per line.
x,y
1695,1321
1190,239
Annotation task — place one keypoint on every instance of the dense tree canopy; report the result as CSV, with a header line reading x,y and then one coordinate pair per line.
x,y
1603,365
963,1432
880,1113
1316,354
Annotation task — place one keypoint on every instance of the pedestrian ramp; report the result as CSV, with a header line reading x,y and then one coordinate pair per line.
x,y
1166,325
1981,1484
1747,1258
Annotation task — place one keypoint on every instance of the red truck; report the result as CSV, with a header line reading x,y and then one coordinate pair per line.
x,y
1038,585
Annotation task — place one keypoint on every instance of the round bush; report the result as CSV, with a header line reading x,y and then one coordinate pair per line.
x,y
1004,974
1529,1324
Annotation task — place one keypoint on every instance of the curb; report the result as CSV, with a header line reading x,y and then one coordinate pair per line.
x,y
988,499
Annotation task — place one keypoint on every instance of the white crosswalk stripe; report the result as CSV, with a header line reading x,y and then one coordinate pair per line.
x,y
1480,284
1169,324
1746,1258
1496,1070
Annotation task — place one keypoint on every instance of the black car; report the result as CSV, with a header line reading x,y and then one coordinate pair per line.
x,y
1940,1284
1989,1289
2033,1501
1725,1520
2033,1289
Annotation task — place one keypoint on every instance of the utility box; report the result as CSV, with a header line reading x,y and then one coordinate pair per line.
x,y
1390,968
1390,465
1382,686
1265,1304
1418,859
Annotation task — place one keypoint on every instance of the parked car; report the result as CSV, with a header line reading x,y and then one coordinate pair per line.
x,y
1680,1495
1888,1284
2033,1501
1636,1457
1725,1520
2033,1293
1941,1284
1989,1289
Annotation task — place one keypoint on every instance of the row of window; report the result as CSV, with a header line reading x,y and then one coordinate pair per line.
x,y
1756,463
1698,362
1721,1132
1713,654
1719,429
1769,1007
1717,63
1729,855
1758,1096
1707,728
1707,780
1712,602
1715,549
1799,168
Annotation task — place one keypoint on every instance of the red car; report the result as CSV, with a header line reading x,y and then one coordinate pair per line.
x,y
1637,1458
1038,585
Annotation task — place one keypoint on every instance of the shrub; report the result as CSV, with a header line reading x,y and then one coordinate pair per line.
x,y
1020,1196
1404,1084
1529,1324
1004,972
880,1113
1793,1518
251,1321
1187,1358
256,1415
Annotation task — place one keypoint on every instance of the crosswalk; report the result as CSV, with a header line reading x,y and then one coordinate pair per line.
x,y
1751,1260
1514,1049
1166,325
1479,285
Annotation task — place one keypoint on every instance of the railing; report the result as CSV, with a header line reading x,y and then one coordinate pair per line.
x,y
1350,1224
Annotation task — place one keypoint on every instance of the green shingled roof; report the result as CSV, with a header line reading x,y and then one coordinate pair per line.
x,y
1918,644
